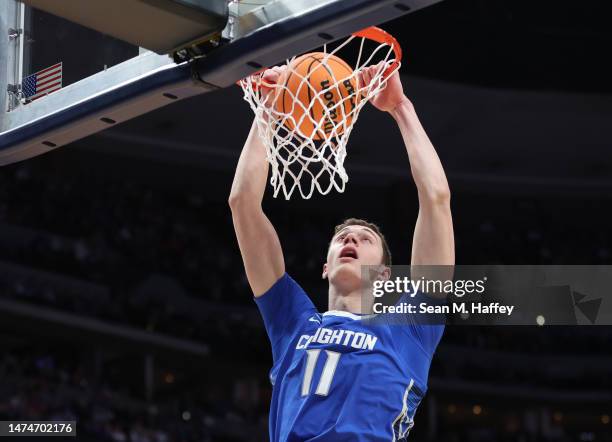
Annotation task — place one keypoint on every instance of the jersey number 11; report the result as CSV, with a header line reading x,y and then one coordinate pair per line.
x,y
326,376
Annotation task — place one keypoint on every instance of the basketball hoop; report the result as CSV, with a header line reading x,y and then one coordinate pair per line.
x,y
306,125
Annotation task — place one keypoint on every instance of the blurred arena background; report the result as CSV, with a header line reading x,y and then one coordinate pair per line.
x,y
124,304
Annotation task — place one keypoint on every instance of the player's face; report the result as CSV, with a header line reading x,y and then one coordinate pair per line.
x,y
351,248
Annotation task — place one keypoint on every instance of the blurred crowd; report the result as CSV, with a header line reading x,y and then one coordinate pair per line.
x,y
38,384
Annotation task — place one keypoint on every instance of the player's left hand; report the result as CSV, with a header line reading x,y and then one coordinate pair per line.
x,y
269,80
393,94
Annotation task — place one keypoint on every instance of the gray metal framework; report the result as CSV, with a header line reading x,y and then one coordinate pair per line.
x,y
11,53
170,24
261,37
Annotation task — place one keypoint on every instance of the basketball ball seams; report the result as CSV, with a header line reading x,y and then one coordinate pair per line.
x,y
341,97
309,86
284,96
311,110
331,74
295,121
285,88
324,110
284,92
332,77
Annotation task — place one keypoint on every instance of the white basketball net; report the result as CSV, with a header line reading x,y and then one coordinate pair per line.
x,y
313,162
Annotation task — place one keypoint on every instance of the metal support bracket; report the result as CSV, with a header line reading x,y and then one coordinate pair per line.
x,y
14,33
14,97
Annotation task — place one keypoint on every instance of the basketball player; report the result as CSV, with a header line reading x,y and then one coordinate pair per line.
x,y
334,377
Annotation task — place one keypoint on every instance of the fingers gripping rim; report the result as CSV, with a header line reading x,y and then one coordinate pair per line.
x,y
376,34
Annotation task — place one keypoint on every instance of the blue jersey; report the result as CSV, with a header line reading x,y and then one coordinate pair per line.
x,y
337,377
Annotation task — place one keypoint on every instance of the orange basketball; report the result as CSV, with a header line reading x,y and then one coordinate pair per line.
x,y
309,77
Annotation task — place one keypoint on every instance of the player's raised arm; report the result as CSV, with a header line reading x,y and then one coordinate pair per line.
x,y
259,244
433,241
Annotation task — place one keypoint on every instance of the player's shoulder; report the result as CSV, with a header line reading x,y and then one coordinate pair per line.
x,y
313,318
285,302
284,284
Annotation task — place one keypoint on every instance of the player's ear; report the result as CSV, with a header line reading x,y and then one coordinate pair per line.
x,y
385,273
324,275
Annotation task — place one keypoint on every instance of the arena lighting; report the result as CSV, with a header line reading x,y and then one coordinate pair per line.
x,y
169,378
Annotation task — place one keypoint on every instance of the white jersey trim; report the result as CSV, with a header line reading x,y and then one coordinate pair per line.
x,y
403,423
347,314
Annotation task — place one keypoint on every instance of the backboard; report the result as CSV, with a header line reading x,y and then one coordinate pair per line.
x,y
64,80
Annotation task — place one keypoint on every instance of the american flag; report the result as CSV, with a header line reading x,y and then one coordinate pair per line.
x,y
42,82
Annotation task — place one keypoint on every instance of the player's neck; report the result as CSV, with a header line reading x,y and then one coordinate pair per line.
x,y
345,301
